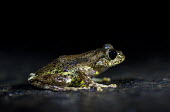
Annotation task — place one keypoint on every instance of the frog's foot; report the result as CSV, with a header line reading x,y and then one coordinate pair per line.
x,y
58,88
100,87
76,88
101,80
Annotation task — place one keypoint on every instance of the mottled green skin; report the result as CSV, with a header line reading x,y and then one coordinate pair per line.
x,y
75,70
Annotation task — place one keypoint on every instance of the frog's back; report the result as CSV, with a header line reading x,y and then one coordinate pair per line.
x,y
68,62
61,64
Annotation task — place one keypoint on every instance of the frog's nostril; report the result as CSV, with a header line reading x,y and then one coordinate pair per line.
x,y
119,52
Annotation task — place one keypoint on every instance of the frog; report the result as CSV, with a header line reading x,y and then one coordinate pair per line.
x,y
76,72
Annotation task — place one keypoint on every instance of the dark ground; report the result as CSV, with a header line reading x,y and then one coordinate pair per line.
x,y
143,79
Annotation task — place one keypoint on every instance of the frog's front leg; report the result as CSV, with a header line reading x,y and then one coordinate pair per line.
x,y
91,84
86,73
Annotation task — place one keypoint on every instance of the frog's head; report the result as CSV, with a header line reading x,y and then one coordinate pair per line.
x,y
112,57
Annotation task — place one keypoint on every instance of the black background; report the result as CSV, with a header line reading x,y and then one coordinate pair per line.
x,y
30,39
26,49
77,40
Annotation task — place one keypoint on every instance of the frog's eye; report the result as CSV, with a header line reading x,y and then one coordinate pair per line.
x,y
112,54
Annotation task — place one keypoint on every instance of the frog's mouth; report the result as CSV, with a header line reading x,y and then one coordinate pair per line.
x,y
119,59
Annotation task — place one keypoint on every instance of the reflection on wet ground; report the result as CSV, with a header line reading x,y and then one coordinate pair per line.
x,y
130,96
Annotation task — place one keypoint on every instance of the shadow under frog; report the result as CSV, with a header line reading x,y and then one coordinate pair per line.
x,y
76,72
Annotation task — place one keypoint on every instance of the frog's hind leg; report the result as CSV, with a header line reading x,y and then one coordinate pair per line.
x,y
50,81
102,80
54,82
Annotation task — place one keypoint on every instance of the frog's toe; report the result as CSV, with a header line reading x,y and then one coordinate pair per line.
x,y
108,86
99,89
113,85
98,86
76,88
70,89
